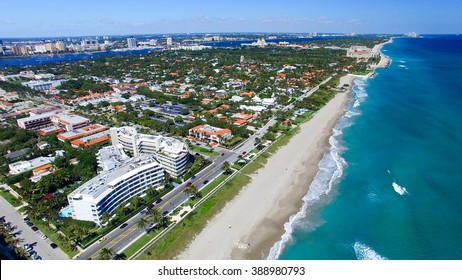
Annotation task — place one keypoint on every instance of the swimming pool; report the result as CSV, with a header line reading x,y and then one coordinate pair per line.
x,y
65,212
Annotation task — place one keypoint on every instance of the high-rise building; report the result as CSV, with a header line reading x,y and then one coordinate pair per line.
x,y
112,188
169,41
131,42
50,47
171,153
40,48
20,50
60,46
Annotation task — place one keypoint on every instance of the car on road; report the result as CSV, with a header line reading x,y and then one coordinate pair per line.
x,y
101,240
143,212
206,181
43,236
222,154
159,200
123,225
53,245
34,228
188,184
193,177
165,213
244,152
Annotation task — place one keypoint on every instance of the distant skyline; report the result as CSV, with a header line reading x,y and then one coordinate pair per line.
x,y
87,18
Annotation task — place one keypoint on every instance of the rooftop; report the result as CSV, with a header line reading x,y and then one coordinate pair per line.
x,y
107,180
68,118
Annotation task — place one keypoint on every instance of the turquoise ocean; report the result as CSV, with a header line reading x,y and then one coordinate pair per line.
x,y
390,186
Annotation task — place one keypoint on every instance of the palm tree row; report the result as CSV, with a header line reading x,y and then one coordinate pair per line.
x,y
153,218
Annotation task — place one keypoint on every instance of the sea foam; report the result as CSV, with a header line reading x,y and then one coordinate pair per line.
x,y
364,252
330,171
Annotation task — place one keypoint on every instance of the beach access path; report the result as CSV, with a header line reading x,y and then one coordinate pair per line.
x,y
254,220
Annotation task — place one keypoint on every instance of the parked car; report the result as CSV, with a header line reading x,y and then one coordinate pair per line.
x,y
26,219
34,228
29,224
37,257
53,245
43,236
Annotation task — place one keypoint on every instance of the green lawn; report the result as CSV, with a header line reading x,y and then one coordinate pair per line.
x,y
212,185
139,243
10,198
204,151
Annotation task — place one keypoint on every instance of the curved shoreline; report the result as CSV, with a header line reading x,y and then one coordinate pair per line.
x,y
251,223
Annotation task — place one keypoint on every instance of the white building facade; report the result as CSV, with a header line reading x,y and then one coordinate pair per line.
x,y
171,153
105,192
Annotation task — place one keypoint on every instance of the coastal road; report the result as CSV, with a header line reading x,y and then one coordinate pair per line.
x,y
120,238
21,230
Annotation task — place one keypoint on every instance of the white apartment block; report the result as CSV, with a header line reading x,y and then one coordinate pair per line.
x,y
105,192
171,153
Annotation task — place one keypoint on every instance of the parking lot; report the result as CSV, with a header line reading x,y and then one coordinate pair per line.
x,y
36,240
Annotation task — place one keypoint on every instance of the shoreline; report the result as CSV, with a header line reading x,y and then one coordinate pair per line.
x,y
250,224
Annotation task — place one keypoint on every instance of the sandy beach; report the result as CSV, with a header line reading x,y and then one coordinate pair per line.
x,y
253,221
384,60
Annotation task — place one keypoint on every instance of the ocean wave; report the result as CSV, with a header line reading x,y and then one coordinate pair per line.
x,y
356,104
364,252
331,169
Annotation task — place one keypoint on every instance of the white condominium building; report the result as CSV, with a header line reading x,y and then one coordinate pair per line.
x,y
171,153
108,190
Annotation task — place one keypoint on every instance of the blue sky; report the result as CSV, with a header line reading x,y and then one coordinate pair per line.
x,y
101,17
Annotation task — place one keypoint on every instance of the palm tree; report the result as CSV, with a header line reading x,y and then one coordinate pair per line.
x,y
17,241
226,167
105,217
155,216
120,256
191,190
135,201
151,191
142,223
106,254
22,253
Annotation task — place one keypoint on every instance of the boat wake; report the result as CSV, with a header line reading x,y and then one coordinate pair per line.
x,y
364,252
398,189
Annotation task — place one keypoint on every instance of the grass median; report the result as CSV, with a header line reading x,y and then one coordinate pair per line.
x,y
180,236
